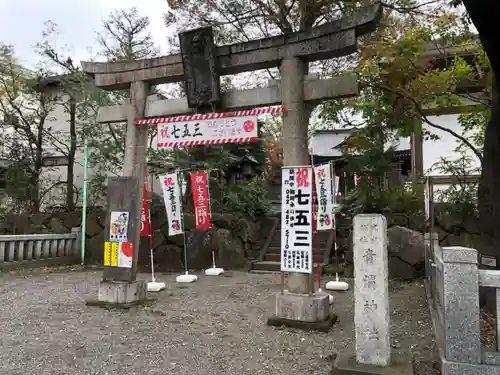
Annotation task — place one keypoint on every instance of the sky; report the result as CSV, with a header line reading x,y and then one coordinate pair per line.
x,y
22,23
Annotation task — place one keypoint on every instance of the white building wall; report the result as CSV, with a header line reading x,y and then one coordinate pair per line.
x,y
58,123
445,146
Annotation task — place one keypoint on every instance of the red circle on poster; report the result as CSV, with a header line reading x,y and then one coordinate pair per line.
x,y
248,126
127,248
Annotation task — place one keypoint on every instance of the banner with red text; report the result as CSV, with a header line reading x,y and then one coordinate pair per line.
x,y
145,210
324,193
171,188
209,131
201,199
296,219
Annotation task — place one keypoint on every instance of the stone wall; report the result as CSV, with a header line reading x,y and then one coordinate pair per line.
x,y
236,241
406,240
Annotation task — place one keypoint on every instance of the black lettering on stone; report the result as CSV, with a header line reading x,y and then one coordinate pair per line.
x,y
201,70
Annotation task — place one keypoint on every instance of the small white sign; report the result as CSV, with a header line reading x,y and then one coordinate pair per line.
x,y
296,219
324,193
239,129
336,187
173,206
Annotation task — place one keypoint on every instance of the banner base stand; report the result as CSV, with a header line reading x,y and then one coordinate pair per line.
x,y
186,278
337,285
214,271
156,286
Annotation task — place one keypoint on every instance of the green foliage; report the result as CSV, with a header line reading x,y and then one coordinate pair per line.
x,y
372,162
397,83
369,198
246,200
462,196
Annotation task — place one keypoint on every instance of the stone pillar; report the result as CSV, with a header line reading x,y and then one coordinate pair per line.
x,y
296,307
371,305
119,286
461,304
431,241
136,144
294,136
417,152
371,290
417,160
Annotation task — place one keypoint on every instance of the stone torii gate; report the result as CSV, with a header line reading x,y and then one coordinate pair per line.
x,y
200,65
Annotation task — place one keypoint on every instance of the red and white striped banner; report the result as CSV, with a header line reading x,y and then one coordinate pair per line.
x,y
219,141
210,116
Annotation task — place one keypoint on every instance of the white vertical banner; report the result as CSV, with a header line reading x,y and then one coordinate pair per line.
x,y
296,219
324,192
336,188
171,188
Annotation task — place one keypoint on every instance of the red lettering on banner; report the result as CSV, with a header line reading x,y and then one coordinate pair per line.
x,y
145,210
199,185
303,177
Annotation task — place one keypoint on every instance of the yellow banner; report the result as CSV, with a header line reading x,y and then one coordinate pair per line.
x,y
107,254
114,254
111,254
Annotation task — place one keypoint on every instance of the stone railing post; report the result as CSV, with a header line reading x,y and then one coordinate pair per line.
x,y
428,254
461,304
431,241
77,247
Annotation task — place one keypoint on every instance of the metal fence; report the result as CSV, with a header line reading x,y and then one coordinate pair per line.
x,y
33,249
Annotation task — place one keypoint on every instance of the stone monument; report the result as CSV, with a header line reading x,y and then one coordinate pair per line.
x,y
371,304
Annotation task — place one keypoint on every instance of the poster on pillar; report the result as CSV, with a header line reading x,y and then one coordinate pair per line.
x,y
171,188
324,194
118,229
118,254
201,200
212,128
296,219
145,210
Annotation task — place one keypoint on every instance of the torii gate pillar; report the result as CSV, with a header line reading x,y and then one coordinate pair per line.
x,y
294,136
296,307
119,286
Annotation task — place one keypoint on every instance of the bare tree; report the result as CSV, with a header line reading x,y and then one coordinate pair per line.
x,y
24,109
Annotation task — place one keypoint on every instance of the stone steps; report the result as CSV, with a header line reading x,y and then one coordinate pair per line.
x,y
272,257
269,266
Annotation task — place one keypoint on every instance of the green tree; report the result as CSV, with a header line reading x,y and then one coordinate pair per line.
x,y
79,99
25,105
400,83
124,37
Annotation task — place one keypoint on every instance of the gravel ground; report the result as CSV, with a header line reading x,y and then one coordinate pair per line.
x,y
215,326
